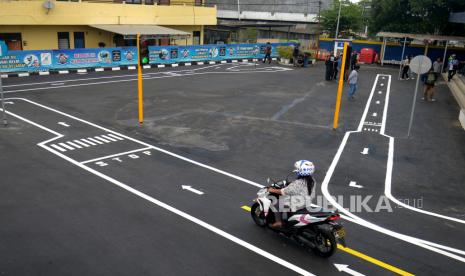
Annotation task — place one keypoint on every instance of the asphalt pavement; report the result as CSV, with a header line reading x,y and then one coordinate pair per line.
x,y
87,190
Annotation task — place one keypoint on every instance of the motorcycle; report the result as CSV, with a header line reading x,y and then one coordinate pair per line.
x,y
316,231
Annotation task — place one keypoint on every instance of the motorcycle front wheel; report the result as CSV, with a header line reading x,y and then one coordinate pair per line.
x,y
258,215
325,244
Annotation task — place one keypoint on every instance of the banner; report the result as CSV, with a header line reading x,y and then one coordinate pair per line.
x,y
44,60
175,54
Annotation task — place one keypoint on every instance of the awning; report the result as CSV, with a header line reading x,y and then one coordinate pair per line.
x,y
147,30
420,36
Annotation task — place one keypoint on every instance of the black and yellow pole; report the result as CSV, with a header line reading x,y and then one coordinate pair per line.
x,y
340,87
139,83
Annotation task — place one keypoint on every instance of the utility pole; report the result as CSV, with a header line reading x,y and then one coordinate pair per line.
x,y
338,17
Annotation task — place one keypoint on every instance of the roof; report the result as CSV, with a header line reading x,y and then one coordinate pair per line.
x,y
140,29
420,36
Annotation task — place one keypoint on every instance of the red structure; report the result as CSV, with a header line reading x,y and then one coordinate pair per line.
x,y
367,55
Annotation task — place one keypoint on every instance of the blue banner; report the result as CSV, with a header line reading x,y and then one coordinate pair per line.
x,y
3,48
175,54
44,60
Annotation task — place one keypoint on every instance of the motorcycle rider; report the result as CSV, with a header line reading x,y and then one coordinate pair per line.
x,y
303,186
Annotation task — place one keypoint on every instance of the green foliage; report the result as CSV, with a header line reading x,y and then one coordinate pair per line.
x,y
351,19
285,51
415,16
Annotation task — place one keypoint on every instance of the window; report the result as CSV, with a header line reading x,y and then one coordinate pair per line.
x,y
63,40
79,40
196,38
198,2
163,2
13,41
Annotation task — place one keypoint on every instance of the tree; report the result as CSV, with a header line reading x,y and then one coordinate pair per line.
x,y
350,20
415,16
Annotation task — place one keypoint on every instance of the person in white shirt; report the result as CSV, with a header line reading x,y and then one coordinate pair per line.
x,y
353,79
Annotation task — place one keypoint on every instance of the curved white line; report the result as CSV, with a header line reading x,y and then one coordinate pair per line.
x,y
440,249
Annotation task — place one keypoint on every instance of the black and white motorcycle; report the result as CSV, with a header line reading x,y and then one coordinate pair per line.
x,y
317,231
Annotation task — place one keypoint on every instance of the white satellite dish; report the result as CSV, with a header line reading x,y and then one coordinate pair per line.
x,y
48,5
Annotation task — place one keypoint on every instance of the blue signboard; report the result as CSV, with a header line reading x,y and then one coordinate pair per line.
x,y
45,60
3,48
175,54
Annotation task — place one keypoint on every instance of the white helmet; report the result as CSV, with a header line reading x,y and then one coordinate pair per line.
x,y
304,168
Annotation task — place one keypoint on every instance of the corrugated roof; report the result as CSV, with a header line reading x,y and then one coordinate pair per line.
x,y
420,36
140,29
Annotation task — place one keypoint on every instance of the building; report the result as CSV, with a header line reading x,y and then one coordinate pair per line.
x,y
46,24
266,20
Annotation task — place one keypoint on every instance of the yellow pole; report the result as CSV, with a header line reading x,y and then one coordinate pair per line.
x,y
340,87
139,83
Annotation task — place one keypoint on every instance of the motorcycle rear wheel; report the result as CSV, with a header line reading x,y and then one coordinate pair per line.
x,y
325,244
258,215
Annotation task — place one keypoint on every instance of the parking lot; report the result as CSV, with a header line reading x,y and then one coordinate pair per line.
x,y
86,190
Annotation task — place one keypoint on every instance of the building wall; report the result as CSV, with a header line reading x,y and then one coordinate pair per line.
x,y
286,6
85,13
189,29
46,37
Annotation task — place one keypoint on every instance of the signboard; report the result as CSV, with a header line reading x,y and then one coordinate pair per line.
x,y
175,54
45,60
3,48
420,64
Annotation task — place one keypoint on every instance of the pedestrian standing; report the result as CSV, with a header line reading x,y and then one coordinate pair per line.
x,y
405,68
267,53
353,79
295,55
336,66
353,60
452,66
429,80
437,66
329,68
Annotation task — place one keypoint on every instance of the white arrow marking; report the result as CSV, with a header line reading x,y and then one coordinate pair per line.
x,y
375,114
365,151
377,102
63,124
189,188
355,185
345,268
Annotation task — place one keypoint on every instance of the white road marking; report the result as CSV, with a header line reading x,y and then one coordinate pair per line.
x,y
380,92
81,143
88,142
66,146
99,69
132,67
9,103
58,148
375,114
58,84
63,72
115,136
437,248
74,145
63,124
114,155
115,68
200,63
101,139
355,185
44,73
109,138
365,151
377,102
187,64
382,84
345,268
165,206
94,140
189,188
